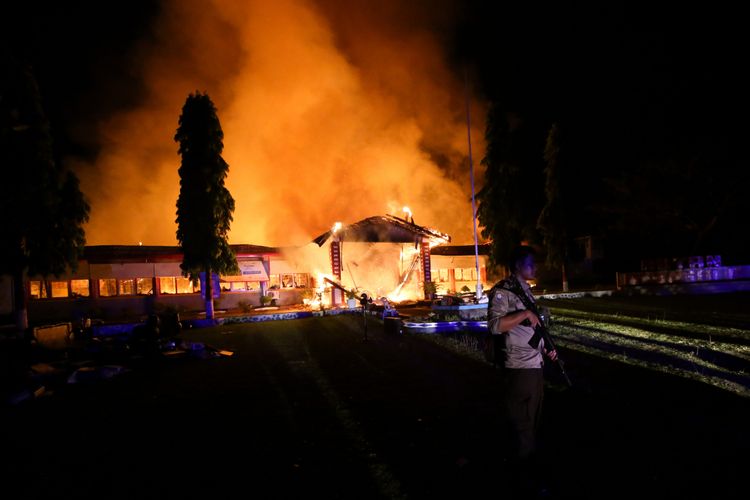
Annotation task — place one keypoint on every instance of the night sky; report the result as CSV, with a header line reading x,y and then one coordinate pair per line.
x,y
633,82
664,68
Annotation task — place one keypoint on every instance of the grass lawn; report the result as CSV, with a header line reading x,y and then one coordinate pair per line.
x,y
307,408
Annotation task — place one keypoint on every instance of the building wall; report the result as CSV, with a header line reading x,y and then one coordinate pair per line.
x,y
452,272
128,289
119,290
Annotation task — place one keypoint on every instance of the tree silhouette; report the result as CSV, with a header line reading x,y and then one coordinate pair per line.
x,y
42,209
552,222
204,206
511,198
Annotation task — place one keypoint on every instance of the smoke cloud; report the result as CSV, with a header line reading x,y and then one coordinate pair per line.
x,y
332,111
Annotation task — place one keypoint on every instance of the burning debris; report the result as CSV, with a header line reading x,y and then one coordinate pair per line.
x,y
412,242
384,229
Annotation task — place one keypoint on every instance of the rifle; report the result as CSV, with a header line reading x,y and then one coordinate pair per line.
x,y
540,331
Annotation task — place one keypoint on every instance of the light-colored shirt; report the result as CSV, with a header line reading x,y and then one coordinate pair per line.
x,y
518,352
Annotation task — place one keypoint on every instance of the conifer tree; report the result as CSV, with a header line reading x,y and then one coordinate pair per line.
x,y
552,220
511,198
204,206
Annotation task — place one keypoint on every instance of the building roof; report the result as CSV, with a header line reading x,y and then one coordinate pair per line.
x,y
483,249
384,229
142,253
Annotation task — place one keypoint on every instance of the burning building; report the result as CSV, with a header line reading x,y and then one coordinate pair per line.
x,y
382,256
374,243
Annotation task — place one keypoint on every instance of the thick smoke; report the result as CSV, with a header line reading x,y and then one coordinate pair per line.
x,y
330,113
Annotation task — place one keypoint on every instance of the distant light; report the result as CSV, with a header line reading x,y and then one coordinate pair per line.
x,y
140,243
336,227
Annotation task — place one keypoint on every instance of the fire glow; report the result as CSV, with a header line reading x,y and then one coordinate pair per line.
x,y
328,113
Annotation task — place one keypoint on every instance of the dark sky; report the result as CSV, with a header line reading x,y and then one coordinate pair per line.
x,y
80,54
660,67
663,68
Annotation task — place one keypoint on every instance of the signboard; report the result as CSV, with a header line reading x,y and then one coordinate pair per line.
x,y
426,268
215,288
336,259
253,270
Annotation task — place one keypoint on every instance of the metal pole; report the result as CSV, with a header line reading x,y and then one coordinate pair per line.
x,y
364,317
473,200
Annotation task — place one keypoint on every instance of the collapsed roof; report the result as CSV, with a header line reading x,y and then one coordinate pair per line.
x,y
384,229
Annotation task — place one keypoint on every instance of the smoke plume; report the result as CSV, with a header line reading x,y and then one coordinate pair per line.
x,y
331,111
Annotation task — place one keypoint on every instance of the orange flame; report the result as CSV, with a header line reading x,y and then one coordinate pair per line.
x,y
360,110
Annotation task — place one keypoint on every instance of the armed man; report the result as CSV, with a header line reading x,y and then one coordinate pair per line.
x,y
512,314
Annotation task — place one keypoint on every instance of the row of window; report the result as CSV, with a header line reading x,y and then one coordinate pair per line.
x,y
459,273
168,285
110,287
297,280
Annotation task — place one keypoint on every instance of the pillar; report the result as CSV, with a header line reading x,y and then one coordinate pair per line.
x,y
337,297
424,253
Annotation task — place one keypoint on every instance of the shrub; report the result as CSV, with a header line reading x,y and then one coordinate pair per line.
x,y
244,305
267,300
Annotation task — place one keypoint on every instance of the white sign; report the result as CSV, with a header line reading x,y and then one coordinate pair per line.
x,y
253,270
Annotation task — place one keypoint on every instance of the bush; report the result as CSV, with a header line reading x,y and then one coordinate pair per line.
x,y
244,305
267,300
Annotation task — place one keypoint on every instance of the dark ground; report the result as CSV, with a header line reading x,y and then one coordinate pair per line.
x,y
305,408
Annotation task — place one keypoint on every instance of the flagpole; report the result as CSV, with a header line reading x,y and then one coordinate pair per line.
x,y
473,199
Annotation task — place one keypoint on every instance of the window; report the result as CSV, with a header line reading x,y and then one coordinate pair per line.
x,y
167,286
287,281
107,287
301,280
79,288
59,289
184,285
177,285
273,282
466,274
37,290
144,286
239,286
41,289
127,287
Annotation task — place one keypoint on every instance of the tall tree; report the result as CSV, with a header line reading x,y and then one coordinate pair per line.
x,y
552,222
511,198
42,209
205,206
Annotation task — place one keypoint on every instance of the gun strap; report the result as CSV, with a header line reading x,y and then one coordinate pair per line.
x,y
512,285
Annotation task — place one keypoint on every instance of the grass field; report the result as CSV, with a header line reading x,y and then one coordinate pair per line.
x,y
307,408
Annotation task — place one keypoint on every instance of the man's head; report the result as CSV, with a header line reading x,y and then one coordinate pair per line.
x,y
521,262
